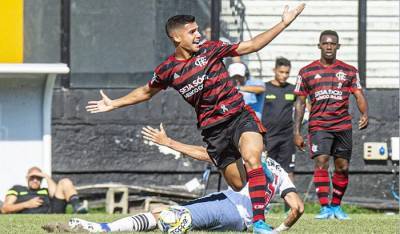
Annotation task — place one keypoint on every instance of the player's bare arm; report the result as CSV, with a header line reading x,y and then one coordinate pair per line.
x,y
296,210
138,95
10,206
263,39
299,107
362,107
252,89
159,136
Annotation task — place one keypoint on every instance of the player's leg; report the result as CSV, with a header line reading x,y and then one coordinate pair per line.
x,y
320,148
235,175
286,157
136,223
342,153
215,212
296,210
65,191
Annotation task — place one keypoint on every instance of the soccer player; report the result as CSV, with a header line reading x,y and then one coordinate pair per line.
x,y
222,211
328,82
197,72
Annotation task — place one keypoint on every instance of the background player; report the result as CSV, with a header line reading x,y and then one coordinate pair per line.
x,y
329,82
199,75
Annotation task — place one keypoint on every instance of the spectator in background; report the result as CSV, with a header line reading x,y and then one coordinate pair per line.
x,y
251,89
33,199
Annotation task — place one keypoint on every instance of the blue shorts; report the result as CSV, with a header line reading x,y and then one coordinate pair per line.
x,y
215,212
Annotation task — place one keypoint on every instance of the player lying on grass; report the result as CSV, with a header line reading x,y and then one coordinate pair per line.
x,y
223,211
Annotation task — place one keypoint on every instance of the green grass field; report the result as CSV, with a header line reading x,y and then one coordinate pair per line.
x,y
360,223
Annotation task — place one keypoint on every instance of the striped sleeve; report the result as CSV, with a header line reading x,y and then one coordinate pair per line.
x,y
300,88
157,82
355,82
224,49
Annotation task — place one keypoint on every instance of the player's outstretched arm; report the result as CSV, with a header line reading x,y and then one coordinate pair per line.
x,y
299,107
138,95
263,39
159,136
363,108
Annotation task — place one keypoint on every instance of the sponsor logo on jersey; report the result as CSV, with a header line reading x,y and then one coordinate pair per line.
x,y
176,76
328,93
317,76
194,87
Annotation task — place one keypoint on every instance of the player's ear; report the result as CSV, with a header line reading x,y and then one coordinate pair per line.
x,y
338,46
175,36
319,45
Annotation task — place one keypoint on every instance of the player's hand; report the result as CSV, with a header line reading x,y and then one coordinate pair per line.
x,y
289,16
363,122
104,105
299,142
33,203
158,136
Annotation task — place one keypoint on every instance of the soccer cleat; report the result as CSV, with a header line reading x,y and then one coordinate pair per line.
x,y
75,223
324,213
260,227
82,208
339,213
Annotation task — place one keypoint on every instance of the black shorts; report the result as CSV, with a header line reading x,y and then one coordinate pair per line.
x,y
281,148
57,206
223,139
337,144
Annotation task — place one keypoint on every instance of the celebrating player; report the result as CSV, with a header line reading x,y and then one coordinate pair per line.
x,y
329,82
197,72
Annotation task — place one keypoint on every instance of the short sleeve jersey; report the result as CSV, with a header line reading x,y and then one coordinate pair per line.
x,y
278,109
329,89
203,82
24,194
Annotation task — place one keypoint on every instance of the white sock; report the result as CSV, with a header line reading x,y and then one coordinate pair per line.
x,y
137,223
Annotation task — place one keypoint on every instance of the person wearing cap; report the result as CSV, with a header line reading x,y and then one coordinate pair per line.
x,y
251,89
33,199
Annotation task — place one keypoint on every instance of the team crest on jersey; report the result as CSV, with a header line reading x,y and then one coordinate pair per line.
x,y
341,75
200,61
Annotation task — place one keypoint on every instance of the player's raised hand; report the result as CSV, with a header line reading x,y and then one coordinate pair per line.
x,y
105,104
299,142
289,16
158,136
363,122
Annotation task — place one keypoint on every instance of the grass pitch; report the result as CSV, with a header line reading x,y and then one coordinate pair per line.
x,y
360,223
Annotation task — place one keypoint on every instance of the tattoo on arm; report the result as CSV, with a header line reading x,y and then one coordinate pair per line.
x,y
299,106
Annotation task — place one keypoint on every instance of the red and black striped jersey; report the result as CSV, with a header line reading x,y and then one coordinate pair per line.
x,y
203,82
329,89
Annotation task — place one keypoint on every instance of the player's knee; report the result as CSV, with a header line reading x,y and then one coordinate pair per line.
x,y
237,186
65,182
